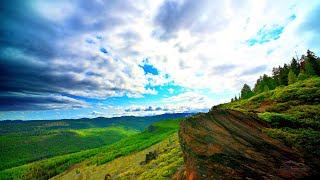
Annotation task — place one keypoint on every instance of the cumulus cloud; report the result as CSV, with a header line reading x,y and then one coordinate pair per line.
x,y
185,102
97,113
45,52
96,50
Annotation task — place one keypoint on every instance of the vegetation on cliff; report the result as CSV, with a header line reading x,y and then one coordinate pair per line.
x,y
290,105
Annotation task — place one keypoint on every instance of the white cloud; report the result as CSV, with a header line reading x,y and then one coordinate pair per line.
x,y
97,113
193,44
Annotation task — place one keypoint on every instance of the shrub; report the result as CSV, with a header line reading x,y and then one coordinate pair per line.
x,y
279,120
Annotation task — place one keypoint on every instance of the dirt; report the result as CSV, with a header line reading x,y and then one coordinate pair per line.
x,y
227,144
264,105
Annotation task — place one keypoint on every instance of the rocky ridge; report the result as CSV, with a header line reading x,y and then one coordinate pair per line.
x,y
228,144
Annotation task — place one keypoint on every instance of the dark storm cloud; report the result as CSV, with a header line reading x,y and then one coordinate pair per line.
x,y
31,43
19,102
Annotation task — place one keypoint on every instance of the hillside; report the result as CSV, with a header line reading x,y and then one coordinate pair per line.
x,y
134,122
97,158
293,113
23,142
227,144
271,135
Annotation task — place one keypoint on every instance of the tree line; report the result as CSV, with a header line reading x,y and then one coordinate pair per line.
x,y
298,69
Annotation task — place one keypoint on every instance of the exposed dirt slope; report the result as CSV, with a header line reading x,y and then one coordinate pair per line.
x,y
227,144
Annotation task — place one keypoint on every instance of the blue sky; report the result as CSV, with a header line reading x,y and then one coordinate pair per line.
x,y
74,59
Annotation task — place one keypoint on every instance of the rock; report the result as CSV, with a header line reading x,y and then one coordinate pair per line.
x,y
151,155
227,144
107,177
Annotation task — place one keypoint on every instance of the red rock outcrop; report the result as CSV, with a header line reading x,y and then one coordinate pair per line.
x,y
227,144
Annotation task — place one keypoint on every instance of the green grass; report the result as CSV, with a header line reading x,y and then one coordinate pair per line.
x,y
293,112
21,148
301,92
47,168
303,139
164,167
277,120
167,163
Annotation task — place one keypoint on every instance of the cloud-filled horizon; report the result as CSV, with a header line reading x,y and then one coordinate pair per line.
x,y
71,59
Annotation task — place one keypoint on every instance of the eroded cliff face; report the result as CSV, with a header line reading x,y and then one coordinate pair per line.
x,y
227,144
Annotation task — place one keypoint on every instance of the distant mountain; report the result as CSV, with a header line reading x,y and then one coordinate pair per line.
x,y
133,122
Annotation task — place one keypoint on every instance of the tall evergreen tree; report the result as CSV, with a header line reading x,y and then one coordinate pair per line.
x,y
312,67
295,66
276,75
292,78
283,75
246,92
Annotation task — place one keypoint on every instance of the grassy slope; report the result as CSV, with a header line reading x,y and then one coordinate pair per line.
x,y
50,167
23,142
21,148
128,167
293,112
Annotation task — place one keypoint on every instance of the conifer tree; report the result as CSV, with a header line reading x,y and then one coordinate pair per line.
x,y
246,92
292,78
295,66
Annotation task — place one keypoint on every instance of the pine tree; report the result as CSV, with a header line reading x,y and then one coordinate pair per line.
x,y
292,78
246,92
312,67
283,75
309,69
232,100
266,88
295,66
302,76
235,98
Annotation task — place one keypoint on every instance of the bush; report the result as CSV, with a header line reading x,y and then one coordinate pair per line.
x,y
305,139
279,120
280,107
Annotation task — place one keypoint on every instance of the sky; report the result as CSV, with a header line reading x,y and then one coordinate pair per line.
x,y
78,58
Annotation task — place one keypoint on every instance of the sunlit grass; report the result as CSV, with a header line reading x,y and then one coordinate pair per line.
x,y
50,167
128,167
17,149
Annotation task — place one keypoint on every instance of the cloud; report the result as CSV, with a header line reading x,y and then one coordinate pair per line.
x,y
28,102
310,28
47,53
197,16
185,102
96,50
97,113
255,70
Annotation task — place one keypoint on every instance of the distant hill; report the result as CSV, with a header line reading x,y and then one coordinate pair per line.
x,y
28,141
121,159
134,122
